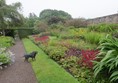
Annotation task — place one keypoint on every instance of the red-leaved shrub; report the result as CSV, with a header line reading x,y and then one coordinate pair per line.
x,y
88,56
41,39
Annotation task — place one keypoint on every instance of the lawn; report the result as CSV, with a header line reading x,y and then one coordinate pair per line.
x,y
46,70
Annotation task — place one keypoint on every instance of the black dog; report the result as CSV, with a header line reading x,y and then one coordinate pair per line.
x,y
31,55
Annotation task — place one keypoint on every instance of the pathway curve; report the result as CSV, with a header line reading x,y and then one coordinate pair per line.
x,y
20,71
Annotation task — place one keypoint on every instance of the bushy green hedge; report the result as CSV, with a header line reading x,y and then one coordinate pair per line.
x,y
6,41
25,32
55,52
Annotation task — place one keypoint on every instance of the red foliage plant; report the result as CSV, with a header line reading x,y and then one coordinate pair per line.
x,y
41,39
88,56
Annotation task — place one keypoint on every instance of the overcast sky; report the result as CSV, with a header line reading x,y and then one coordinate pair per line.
x,y
76,8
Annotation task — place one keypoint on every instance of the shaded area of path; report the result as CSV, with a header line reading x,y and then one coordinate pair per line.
x,y
20,71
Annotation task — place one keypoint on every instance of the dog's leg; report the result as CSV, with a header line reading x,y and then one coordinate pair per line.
x,y
33,59
1,67
26,59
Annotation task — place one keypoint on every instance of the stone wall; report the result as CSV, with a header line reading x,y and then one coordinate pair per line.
x,y
105,19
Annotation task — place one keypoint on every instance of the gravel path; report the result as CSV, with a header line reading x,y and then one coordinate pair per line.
x,y
20,71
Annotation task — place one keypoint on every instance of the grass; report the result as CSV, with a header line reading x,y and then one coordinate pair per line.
x,y
46,70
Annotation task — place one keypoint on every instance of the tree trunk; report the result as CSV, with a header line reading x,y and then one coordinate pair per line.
x,y
3,32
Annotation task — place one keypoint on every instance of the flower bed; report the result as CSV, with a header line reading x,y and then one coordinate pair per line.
x,y
36,39
66,53
6,57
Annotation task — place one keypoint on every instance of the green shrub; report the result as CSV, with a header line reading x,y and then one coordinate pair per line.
x,y
108,56
81,32
57,53
55,32
86,45
73,33
54,52
104,27
66,35
40,27
69,43
4,59
93,37
6,41
53,42
69,62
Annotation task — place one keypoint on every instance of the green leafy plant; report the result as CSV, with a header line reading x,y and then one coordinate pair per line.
x,y
82,74
93,37
103,27
6,41
86,45
69,62
57,53
4,59
107,63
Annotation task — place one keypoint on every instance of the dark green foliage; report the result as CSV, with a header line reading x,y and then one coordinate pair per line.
x,y
30,21
10,15
115,34
55,20
54,16
25,32
9,32
40,27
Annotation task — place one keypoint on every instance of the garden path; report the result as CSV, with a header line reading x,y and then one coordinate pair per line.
x,y
20,71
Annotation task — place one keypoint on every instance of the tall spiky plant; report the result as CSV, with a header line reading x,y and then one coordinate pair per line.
x,y
108,59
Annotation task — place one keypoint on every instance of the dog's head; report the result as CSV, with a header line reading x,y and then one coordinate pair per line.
x,y
34,53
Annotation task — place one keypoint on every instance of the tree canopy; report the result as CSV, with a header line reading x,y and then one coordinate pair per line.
x,y
30,21
54,16
10,15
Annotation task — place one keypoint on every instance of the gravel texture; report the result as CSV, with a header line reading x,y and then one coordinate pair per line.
x,y
19,71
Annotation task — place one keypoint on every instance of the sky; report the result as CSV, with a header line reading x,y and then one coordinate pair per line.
x,y
76,8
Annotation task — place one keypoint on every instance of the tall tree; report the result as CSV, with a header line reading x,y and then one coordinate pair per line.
x,y
30,21
54,16
10,15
